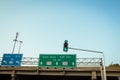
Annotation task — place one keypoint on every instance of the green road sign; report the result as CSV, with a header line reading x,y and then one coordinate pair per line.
x,y
57,60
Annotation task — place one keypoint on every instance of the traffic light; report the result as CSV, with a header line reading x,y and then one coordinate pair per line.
x,y
65,46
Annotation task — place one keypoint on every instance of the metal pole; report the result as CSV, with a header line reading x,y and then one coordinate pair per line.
x,y
15,42
102,69
13,47
105,76
86,50
19,46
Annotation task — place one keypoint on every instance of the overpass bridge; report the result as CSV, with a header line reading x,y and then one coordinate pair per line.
x,y
87,69
37,73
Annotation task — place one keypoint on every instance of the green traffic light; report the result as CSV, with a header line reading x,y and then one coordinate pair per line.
x,y
65,46
65,49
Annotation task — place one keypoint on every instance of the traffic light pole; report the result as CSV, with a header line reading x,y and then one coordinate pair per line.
x,y
103,57
86,50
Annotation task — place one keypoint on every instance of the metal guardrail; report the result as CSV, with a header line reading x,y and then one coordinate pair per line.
x,y
81,62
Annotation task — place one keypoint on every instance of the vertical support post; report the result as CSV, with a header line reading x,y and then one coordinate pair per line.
x,y
12,78
13,75
102,72
104,68
94,75
118,78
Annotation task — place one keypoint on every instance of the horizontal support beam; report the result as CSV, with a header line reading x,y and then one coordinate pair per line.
x,y
81,71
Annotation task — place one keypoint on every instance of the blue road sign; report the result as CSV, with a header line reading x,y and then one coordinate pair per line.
x,y
11,60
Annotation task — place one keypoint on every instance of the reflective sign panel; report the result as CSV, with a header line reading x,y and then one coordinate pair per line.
x,y
59,60
11,59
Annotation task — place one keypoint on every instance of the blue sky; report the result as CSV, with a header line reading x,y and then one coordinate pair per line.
x,y
43,25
